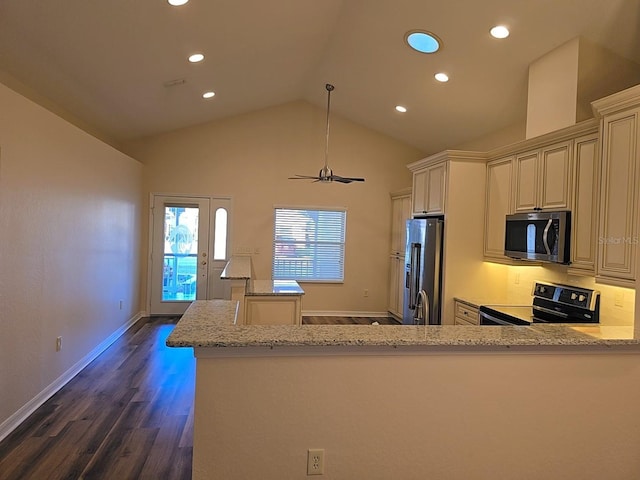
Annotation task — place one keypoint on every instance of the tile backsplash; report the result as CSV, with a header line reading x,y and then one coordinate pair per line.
x,y
617,304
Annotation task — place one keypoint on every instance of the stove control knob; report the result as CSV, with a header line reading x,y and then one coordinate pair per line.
x,y
542,289
574,296
582,298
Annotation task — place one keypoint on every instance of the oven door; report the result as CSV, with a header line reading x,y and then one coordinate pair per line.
x,y
488,316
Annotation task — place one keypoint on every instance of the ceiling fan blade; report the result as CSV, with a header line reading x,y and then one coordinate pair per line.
x,y
303,177
340,179
336,178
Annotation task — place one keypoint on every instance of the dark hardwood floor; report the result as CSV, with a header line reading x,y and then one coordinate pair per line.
x,y
127,415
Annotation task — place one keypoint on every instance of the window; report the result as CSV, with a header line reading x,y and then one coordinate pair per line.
x,y
220,235
308,244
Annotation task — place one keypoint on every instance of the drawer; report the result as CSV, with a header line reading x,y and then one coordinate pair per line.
x,y
463,321
466,312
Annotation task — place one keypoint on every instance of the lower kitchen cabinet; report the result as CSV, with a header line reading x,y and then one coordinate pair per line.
x,y
465,314
273,310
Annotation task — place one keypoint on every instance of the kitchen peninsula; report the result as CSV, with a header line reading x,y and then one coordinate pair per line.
x,y
408,401
262,302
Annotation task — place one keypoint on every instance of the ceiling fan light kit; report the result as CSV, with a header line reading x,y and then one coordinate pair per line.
x,y
326,174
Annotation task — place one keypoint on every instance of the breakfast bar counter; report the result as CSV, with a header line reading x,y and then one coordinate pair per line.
x,y
411,402
212,323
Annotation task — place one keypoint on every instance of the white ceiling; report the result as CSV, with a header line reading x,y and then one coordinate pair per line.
x,y
106,62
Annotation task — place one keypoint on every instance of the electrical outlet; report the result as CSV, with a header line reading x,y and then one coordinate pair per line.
x,y
517,278
366,292
619,299
58,344
121,304
315,461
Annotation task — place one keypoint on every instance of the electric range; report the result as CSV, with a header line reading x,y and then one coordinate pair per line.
x,y
552,303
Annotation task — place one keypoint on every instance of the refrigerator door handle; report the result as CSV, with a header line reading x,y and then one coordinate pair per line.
x,y
410,284
414,275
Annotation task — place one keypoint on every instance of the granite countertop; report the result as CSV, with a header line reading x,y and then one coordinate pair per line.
x,y
237,268
211,323
274,287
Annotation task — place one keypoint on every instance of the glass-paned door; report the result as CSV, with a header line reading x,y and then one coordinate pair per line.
x,y
180,253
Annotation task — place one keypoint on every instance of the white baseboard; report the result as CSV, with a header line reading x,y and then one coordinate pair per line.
x,y
11,423
323,313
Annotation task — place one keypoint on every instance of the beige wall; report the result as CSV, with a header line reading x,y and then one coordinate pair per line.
x,y
453,416
506,136
553,90
465,272
564,82
69,247
249,158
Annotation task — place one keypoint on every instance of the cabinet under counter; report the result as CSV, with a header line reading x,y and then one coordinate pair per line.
x,y
273,302
465,312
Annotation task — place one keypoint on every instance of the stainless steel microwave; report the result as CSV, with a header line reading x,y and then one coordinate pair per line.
x,y
538,236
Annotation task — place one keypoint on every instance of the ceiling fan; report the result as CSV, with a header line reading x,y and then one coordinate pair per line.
x,y
326,174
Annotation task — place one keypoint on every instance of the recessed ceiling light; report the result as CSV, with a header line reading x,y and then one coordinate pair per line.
x,y
401,109
196,57
441,77
177,3
208,94
422,41
499,31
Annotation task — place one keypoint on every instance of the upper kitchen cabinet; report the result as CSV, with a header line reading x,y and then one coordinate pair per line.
x,y
497,206
584,205
429,190
555,171
400,213
543,178
618,234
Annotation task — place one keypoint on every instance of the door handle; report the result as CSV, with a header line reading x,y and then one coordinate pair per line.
x,y
414,274
545,237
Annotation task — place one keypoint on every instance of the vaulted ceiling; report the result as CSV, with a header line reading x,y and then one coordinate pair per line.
x,y
121,65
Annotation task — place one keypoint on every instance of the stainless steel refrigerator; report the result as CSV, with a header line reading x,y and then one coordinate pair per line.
x,y
423,275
